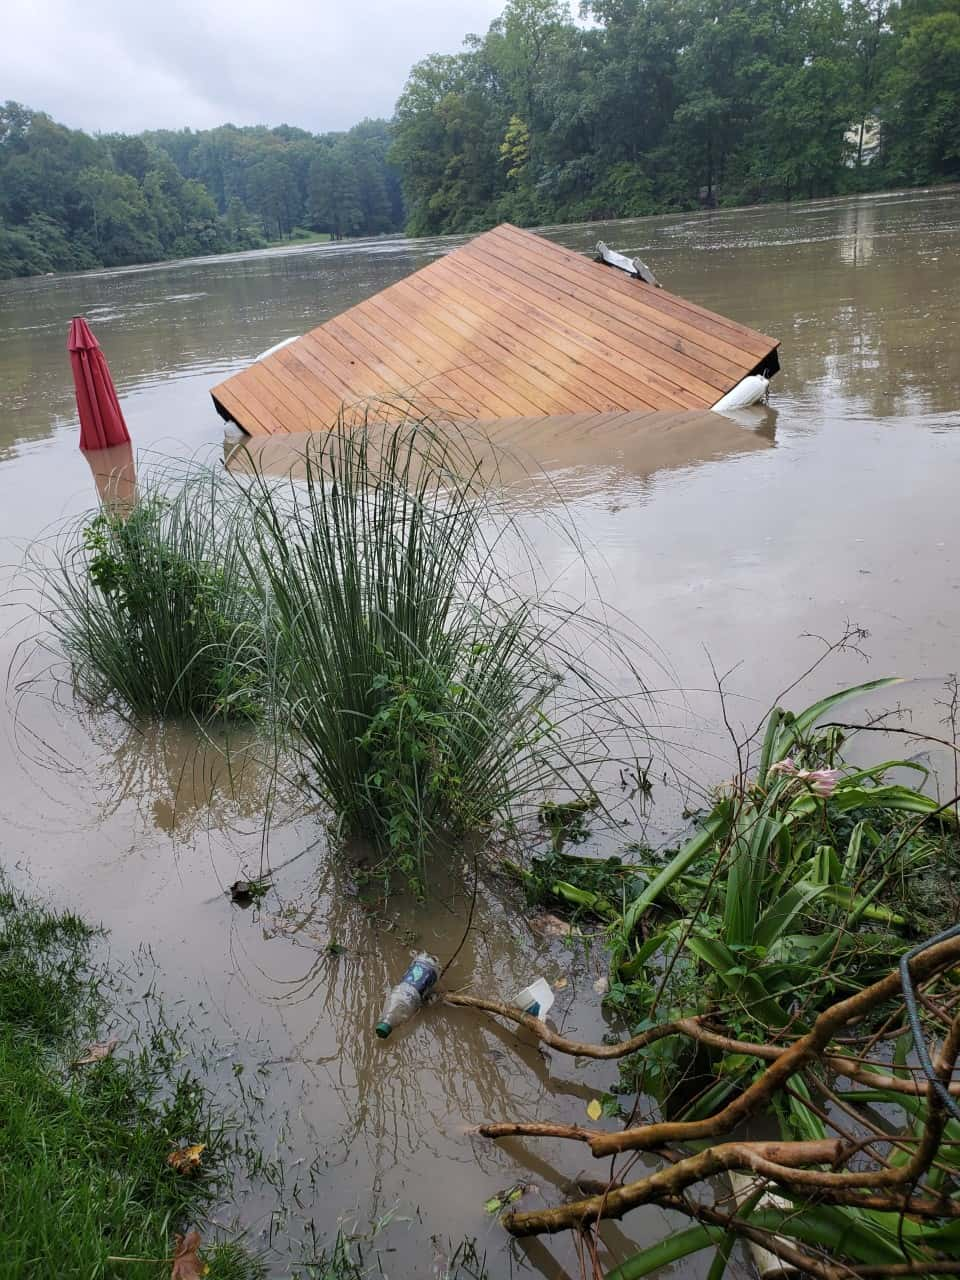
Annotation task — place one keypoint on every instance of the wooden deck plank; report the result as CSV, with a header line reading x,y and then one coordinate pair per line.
x,y
464,366
243,408
626,295
532,330
258,388
302,390
563,381
688,364
519,353
312,351
404,375
509,326
583,343
530,374
313,378
661,299
459,333
463,389
630,297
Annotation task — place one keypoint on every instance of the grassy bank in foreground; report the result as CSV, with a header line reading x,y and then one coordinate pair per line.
x,y
88,1126
85,1177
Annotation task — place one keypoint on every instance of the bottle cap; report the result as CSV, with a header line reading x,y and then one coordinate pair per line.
x,y
383,1029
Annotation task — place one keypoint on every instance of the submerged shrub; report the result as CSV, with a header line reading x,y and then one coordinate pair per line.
x,y
155,608
424,695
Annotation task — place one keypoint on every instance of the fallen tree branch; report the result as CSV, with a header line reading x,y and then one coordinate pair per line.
x,y
878,1080
672,1181
581,1048
537,1129
692,1029
807,1049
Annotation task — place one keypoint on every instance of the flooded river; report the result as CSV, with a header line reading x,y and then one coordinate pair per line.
x,y
836,504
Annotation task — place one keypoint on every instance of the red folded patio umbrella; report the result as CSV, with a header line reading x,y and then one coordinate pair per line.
x,y
101,419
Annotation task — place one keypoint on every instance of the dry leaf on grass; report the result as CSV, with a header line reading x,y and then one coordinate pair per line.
x,y
97,1052
187,1263
186,1159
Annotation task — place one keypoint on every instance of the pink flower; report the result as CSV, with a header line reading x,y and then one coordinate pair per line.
x,y
822,782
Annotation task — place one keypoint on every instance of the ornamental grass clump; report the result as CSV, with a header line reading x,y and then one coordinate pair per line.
x,y
426,698
155,608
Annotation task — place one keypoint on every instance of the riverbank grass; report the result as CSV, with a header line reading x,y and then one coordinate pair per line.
x,y
299,235
153,606
84,1171
426,696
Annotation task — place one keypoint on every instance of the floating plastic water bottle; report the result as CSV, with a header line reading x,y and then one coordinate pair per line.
x,y
409,993
536,999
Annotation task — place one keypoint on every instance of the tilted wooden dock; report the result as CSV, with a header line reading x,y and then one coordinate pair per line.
x,y
509,325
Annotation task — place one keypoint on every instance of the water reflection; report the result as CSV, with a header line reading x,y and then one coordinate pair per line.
x,y
551,460
181,783
857,233
114,474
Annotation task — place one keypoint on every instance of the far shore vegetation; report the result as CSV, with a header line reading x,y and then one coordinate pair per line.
x,y
641,107
299,235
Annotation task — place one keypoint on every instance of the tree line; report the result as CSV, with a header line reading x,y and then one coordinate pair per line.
x,y
644,106
634,107
71,202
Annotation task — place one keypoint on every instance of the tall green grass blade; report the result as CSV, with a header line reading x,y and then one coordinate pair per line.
x,y
665,1252
789,728
749,861
779,917
710,830
424,695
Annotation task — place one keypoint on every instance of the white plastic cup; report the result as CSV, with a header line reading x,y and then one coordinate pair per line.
x,y
537,999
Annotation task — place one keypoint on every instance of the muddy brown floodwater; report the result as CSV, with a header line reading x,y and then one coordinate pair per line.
x,y
837,503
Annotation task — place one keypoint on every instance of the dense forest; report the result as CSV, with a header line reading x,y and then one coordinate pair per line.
x,y
649,105
70,202
634,107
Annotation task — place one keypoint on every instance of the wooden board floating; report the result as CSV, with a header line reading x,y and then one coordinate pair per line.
x,y
509,325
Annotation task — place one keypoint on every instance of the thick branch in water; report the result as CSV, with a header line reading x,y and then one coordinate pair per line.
x,y
692,1029
672,1181
807,1049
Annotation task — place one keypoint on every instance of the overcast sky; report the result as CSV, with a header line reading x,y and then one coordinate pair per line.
x,y
105,65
